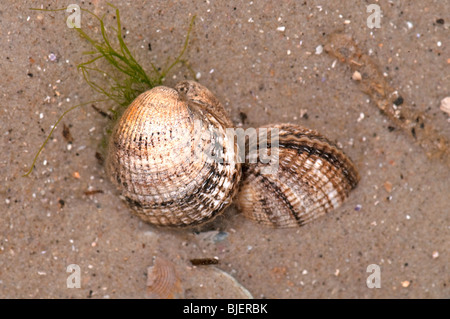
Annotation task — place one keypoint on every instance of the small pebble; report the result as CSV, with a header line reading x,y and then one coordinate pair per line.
x,y
319,49
76,175
356,76
445,105
281,29
358,207
435,254
361,117
52,57
405,284
387,186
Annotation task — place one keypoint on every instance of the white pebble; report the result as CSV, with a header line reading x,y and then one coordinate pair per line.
x,y
319,49
409,24
52,57
361,117
198,75
281,29
445,105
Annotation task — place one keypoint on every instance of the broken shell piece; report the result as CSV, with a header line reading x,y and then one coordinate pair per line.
x,y
445,105
212,282
162,280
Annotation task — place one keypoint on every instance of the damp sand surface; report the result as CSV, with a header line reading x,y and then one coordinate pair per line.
x,y
266,63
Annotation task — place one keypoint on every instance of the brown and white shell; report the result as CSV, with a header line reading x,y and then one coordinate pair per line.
x,y
313,177
164,159
163,281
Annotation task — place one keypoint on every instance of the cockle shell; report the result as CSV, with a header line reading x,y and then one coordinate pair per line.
x,y
163,281
313,177
163,157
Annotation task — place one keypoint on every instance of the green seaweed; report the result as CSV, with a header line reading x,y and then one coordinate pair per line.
x,y
127,78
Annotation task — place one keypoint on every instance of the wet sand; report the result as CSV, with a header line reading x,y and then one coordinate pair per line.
x,y
265,63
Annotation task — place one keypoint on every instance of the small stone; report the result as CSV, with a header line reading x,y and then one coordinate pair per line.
x,y
445,105
76,175
361,117
405,284
52,57
398,101
388,186
319,49
281,29
356,76
304,113
435,254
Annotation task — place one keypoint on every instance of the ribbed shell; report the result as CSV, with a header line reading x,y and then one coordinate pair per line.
x,y
313,178
163,162
163,281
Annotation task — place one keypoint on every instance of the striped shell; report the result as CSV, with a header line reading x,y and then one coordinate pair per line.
x,y
313,178
164,157
163,281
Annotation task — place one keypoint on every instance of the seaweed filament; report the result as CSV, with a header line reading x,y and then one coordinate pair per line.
x,y
127,77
